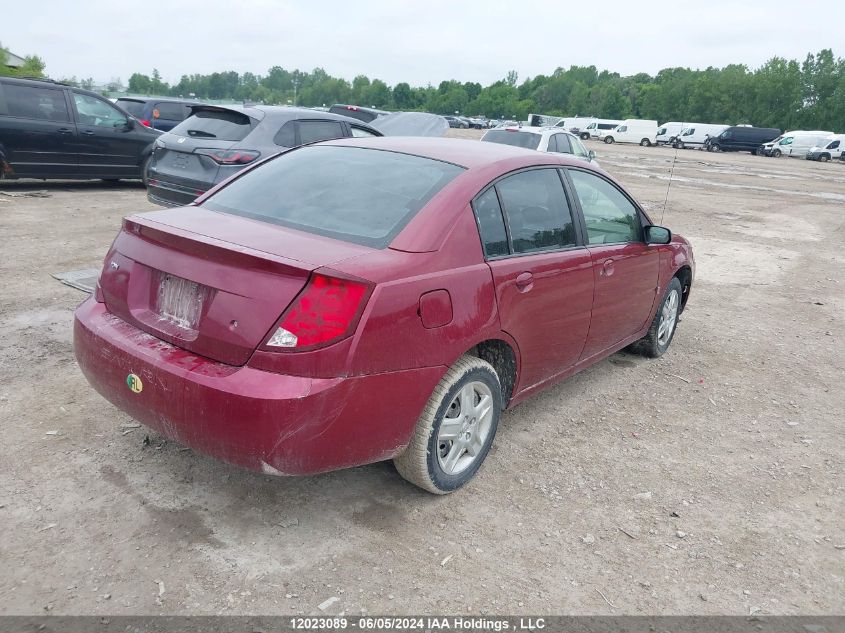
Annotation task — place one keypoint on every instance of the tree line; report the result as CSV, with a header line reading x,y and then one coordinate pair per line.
x,y
781,93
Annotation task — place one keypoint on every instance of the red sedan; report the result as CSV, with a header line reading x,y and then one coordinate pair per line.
x,y
369,299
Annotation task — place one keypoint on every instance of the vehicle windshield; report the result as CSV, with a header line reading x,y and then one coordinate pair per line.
x,y
688,131
358,195
224,125
528,140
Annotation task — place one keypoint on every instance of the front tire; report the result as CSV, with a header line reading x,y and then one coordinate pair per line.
x,y
655,343
776,153
824,158
456,429
608,140
144,167
585,136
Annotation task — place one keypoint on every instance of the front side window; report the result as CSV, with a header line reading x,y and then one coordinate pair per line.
x,y
93,111
622,128
610,217
688,132
661,131
29,102
358,195
536,210
786,141
491,224
833,145
578,147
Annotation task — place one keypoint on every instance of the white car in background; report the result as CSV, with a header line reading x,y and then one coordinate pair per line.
x,y
542,139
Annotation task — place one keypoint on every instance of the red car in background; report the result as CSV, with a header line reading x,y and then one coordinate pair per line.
x,y
362,299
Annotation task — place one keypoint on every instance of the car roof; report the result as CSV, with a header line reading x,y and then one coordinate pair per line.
x,y
534,129
467,153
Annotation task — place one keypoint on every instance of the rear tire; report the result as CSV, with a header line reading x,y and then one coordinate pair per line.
x,y
655,343
608,140
585,136
645,143
456,429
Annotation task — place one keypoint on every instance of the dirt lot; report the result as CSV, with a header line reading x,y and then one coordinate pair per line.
x,y
709,481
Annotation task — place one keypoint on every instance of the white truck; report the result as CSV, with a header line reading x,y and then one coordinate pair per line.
x,y
669,130
795,144
640,131
695,134
829,149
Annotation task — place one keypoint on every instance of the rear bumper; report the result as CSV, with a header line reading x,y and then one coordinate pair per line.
x,y
277,424
169,194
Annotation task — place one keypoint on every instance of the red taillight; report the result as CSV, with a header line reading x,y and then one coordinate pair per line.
x,y
145,122
229,156
326,311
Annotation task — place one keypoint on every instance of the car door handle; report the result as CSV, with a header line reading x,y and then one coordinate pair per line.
x,y
88,132
607,268
524,281
64,130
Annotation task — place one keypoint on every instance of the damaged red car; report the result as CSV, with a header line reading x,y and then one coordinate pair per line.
x,y
371,299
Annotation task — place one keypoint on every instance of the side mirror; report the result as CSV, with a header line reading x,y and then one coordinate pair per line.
x,y
129,125
591,154
657,235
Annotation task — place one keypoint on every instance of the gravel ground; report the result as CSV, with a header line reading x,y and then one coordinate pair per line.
x,y
708,481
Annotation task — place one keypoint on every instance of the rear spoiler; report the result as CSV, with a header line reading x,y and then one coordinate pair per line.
x,y
246,111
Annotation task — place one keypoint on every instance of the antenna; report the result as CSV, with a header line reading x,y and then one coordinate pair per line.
x,y
669,186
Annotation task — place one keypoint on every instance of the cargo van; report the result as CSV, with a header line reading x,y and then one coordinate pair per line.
x,y
829,149
741,138
597,127
697,134
639,131
669,130
796,143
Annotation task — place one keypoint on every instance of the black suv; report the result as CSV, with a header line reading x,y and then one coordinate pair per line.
x,y
51,130
158,113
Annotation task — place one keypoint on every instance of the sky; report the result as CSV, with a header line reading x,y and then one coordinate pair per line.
x,y
418,42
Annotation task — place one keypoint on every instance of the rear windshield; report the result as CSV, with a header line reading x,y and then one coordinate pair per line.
x,y
364,196
135,108
356,113
224,125
528,140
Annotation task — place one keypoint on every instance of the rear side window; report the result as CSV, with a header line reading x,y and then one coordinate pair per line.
x,y
135,108
537,212
352,194
30,102
528,140
170,111
491,224
359,132
313,131
224,125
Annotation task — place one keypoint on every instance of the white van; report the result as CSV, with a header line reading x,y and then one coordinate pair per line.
x,y
796,143
599,126
637,131
829,149
670,129
695,134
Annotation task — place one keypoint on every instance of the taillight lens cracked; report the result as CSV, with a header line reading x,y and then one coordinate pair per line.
x,y
327,310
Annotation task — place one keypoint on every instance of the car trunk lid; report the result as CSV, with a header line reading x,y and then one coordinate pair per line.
x,y
210,283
